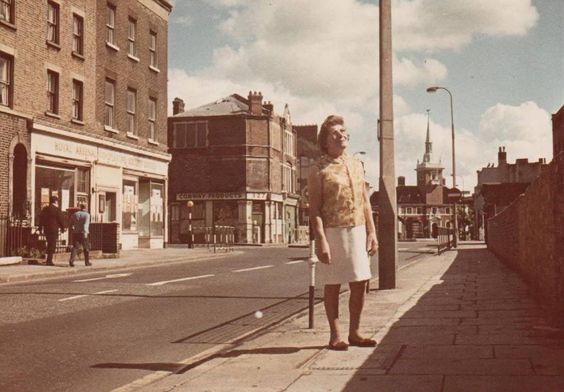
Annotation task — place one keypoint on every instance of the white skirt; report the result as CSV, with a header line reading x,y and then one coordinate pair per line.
x,y
349,259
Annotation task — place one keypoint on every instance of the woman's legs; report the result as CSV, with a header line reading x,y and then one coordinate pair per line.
x,y
331,301
356,303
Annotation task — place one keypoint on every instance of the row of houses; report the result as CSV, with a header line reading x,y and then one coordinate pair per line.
x,y
83,116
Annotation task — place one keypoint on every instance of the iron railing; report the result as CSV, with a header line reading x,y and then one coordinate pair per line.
x,y
215,238
445,239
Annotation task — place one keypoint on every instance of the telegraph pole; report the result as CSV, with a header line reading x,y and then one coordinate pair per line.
x,y
387,220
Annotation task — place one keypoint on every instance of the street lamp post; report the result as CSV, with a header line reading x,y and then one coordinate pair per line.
x,y
433,89
190,204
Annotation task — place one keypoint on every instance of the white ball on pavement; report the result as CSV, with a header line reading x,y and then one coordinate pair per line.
x,y
258,314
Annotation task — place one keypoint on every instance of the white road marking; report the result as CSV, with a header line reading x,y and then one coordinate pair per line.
x,y
253,269
424,249
400,249
179,280
73,297
295,262
114,276
86,295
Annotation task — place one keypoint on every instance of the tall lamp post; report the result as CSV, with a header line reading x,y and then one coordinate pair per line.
x,y
190,204
433,89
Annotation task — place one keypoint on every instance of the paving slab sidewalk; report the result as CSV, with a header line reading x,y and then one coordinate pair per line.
x,y
126,259
457,322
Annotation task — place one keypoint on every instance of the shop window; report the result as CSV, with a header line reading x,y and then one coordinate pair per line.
x,y
131,37
77,34
53,22
129,209
77,100
52,92
54,181
6,63
151,209
7,11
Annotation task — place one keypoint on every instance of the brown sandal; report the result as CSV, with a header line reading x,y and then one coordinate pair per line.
x,y
339,346
363,342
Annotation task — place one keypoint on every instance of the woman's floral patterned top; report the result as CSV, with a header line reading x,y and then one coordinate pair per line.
x,y
342,191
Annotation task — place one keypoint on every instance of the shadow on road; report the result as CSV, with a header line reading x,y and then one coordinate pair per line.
x,y
180,368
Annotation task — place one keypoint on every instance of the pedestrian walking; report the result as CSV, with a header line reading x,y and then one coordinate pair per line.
x,y
79,227
345,235
50,222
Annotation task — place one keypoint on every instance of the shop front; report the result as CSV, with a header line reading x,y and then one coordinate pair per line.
x,y
258,217
117,183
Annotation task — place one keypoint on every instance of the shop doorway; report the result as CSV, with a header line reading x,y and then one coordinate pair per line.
x,y
19,194
107,206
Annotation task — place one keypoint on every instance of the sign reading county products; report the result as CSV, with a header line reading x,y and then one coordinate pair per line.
x,y
222,196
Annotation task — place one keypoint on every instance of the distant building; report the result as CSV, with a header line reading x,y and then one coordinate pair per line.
x,y
558,132
510,180
422,208
236,160
308,153
82,111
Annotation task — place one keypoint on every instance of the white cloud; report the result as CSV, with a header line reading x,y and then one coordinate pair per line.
x,y
524,130
438,24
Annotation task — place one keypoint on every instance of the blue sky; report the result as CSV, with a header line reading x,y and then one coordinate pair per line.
x,y
503,60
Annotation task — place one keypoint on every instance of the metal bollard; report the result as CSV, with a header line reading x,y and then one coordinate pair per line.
x,y
312,262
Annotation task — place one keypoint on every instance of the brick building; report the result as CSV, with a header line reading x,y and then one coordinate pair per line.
x,y
65,131
558,132
424,207
236,160
510,180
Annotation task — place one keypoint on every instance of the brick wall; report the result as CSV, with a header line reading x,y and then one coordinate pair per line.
x,y
130,73
529,237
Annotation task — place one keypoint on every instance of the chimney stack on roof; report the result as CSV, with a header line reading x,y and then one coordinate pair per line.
x,y
401,181
177,106
501,156
255,103
269,106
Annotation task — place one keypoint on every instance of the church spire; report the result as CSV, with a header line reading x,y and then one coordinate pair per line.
x,y
428,144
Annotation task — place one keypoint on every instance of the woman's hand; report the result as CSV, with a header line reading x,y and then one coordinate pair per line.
x,y
371,244
323,252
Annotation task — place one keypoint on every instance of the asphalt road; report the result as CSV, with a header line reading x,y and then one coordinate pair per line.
x,y
100,331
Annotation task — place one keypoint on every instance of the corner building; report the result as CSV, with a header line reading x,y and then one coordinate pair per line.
x,y
235,159
84,104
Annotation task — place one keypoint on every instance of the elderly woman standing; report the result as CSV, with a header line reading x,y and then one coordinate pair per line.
x,y
345,235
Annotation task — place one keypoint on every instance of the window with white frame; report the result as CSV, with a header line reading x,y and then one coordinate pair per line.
x,y
289,143
190,134
131,37
109,103
5,79
131,109
7,11
288,178
153,60
408,210
77,34
111,24
53,22
77,99
52,92
152,118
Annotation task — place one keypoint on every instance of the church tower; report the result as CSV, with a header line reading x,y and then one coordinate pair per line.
x,y
429,173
